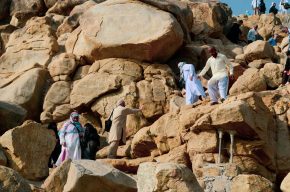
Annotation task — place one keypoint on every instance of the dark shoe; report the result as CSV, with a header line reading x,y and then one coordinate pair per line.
x,y
214,103
222,100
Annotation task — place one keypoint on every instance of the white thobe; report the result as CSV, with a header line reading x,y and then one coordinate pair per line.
x,y
218,84
193,87
70,135
281,7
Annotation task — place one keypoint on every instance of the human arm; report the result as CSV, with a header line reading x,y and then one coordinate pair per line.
x,y
191,72
205,69
128,111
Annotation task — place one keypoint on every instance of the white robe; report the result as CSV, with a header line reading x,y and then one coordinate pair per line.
x,y
193,87
281,7
70,135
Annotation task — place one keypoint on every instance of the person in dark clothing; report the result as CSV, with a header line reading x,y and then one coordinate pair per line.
x,y
235,32
91,142
286,71
57,149
262,7
273,9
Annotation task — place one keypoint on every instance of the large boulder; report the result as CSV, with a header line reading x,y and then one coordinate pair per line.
x,y
27,91
251,183
30,45
26,6
272,74
57,178
95,176
28,148
5,32
99,36
251,80
259,50
11,181
12,115
268,24
285,185
63,7
166,177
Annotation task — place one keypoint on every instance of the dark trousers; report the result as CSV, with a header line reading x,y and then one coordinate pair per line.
x,y
285,78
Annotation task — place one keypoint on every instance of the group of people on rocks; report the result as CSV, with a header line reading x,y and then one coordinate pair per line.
x,y
76,142
259,7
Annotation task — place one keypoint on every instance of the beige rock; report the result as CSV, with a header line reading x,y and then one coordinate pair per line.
x,y
57,178
99,37
272,74
63,64
12,115
267,24
89,88
166,177
285,185
62,7
81,72
11,181
175,104
251,183
142,143
203,142
34,43
31,159
27,91
251,80
25,6
258,64
96,176
288,117
258,50
5,32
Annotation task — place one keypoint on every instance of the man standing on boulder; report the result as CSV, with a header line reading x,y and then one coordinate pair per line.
x,y
118,130
219,82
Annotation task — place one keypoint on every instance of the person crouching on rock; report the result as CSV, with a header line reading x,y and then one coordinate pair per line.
x,y
91,142
219,82
117,132
69,136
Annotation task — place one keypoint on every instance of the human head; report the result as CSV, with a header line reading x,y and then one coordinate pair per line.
x,y
273,4
121,102
213,51
89,127
74,116
256,27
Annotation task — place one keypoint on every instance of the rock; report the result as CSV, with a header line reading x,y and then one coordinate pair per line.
x,y
127,165
272,74
56,97
259,50
29,159
30,45
56,180
5,32
89,88
166,177
203,142
258,64
4,9
72,21
267,25
63,66
95,176
27,91
62,7
177,155
12,115
81,72
175,104
208,19
160,37
251,80
26,6
49,3
142,143
10,180
251,183
3,158
285,184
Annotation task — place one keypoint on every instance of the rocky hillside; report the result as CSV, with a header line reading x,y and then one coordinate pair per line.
x,y
59,56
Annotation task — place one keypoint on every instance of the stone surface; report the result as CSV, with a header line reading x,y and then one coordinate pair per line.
x,y
27,91
251,183
285,185
96,176
258,50
251,80
30,45
272,74
166,177
100,37
203,142
12,115
258,64
10,180
26,6
63,7
30,159
57,178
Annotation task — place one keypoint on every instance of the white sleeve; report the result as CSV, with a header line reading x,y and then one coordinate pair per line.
x,y
205,69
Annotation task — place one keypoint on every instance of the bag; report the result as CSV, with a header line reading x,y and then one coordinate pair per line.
x,y
108,123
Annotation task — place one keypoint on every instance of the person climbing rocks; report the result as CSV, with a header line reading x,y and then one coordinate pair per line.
x,y
252,34
255,6
262,7
91,142
273,9
235,32
273,40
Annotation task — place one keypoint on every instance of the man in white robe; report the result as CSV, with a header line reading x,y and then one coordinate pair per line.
x,y
69,136
219,82
193,85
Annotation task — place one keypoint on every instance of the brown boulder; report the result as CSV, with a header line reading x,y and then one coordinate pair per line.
x,y
259,50
26,6
251,183
10,180
272,74
258,64
160,37
29,159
